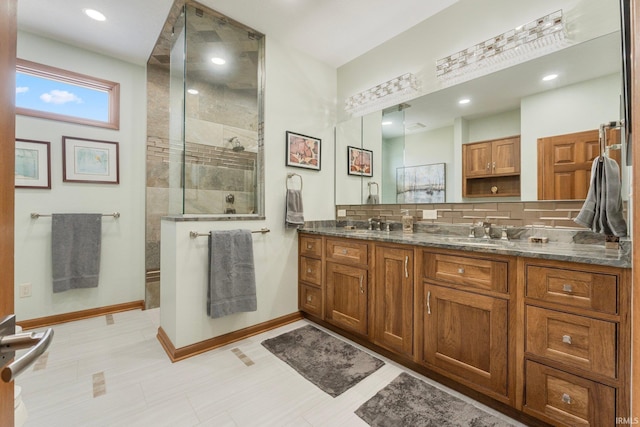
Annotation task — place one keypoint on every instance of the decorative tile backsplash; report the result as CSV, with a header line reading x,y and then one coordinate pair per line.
x,y
557,214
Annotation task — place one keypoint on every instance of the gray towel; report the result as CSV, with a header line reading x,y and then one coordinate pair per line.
x,y
232,281
373,199
294,215
75,250
602,209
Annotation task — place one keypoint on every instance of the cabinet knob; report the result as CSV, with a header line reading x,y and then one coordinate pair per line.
x,y
566,339
566,398
308,270
344,252
488,165
308,246
461,270
309,298
567,288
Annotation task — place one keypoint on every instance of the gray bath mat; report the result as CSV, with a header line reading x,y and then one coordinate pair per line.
x,y
409,402
329,363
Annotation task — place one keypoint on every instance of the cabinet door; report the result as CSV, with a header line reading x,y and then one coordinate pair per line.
x,y
477,159
393,299
505,156
465,336
347,293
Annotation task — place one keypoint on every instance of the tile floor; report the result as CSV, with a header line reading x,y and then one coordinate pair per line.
x,y
111,371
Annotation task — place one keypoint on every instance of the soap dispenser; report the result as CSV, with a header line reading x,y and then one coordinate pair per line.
x,y
407,221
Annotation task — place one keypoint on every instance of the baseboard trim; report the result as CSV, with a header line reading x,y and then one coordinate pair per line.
x,y
79,315
177,354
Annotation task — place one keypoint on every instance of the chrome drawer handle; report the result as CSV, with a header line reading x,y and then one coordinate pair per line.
x,y
429,302
406,262
566,398
567,288
361,288
566,339
461,271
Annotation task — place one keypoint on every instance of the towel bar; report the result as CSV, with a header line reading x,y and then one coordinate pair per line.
x,y
35,215
194,234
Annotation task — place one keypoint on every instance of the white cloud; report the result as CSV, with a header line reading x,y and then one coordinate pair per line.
x,y
22,89
60,97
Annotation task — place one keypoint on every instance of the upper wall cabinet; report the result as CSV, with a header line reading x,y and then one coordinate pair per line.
x,y
491,168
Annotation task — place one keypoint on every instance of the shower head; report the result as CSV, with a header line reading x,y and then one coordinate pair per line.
x,y
235,144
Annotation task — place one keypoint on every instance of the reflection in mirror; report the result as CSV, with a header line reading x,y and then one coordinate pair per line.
x,y
514,101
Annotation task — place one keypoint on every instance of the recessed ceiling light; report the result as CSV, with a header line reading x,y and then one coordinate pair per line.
x,y
94,14
218,61
550,77
192,91
387,123
464,101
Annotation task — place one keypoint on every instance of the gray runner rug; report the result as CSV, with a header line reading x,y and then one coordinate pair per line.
x,y
410,402
331,364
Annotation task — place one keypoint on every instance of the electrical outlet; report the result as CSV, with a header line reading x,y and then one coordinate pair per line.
x,y
342,212
429,214
25,290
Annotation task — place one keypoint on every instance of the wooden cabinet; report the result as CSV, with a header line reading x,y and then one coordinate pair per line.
x,y
576,358
464,319
310,278
491,168
392,308
347,289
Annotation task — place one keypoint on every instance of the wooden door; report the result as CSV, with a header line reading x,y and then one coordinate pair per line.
x,y
505,156
7,179
393,299
465,336
347,295
564,163
476,159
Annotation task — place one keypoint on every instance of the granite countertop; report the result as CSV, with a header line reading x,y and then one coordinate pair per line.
x,y
573,252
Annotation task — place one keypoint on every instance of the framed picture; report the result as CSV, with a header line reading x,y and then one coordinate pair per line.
x,y
360,161
421,184
90,160
303,151
33,164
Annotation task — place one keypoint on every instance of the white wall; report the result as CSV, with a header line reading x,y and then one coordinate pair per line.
x,y
300,97
122,259
554,113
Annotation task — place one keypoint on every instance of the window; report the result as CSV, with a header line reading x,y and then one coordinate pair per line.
x,y
56,94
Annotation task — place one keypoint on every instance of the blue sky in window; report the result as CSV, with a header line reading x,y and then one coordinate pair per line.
x,y
52,96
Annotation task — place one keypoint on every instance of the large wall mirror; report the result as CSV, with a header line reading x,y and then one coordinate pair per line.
x,y
432,129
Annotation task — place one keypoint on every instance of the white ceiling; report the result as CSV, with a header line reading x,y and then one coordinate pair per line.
x,y
333,31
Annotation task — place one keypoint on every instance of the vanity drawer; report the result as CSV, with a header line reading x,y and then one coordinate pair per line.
x,y
576,288
348,251
460,270
311,246
311,300
311,270
563,399
577,341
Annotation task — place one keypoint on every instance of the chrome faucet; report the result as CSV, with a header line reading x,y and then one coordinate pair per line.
x,y
504,235
487,229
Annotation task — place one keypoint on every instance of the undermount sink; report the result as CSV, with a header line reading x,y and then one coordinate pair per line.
x,y
477,241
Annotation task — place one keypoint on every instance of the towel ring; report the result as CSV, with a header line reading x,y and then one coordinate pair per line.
x,y
291,175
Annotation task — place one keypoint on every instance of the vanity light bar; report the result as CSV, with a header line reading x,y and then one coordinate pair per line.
x,y
528,41
383,95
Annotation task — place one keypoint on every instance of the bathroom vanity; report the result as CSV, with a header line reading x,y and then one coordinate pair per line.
x,y
540,329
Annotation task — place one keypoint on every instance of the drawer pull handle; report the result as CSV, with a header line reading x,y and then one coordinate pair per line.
x,y
566,398
488,165
309,298
429,302
567,288
361,287
344,252
461,270
566,339
406,263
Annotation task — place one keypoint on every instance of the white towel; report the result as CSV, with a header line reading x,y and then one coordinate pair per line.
x,y
602,209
